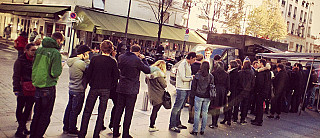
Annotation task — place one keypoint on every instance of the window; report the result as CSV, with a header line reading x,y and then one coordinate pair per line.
x,y
303,2
288,26
305,16
297,47
307,5
301,15
283,3
309,31
302,33
297,1
292,28
311,17
294,12
289,13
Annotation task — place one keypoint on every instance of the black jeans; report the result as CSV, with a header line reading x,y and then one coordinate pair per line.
x,y
103,95
276,104
154,113
125,101
44,102
295,101
24,107
114,99
244,108
259,108
72,111
252,102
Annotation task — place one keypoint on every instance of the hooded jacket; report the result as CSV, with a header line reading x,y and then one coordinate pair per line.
x,y
47,65
77,68
263,81
156,86
200,85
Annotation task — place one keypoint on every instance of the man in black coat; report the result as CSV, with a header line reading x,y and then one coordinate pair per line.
x,y
297,83
263,89
279,84
130,65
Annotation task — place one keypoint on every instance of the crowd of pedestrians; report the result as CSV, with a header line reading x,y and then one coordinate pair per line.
x,y
208,85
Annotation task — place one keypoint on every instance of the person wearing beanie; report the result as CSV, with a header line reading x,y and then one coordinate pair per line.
x,y
77,65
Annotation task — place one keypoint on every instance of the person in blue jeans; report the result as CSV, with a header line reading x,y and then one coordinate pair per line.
x,y
102,75
183,86
201,89
77,65
46,70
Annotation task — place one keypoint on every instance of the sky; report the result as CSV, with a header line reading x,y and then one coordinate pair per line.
x,y
195,22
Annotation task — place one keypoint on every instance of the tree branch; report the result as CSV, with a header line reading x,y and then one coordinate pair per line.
x,y
154,12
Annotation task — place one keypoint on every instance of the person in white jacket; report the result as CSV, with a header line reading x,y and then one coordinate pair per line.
x,y
183,86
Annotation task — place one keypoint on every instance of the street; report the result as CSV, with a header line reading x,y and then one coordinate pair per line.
x,y
290,125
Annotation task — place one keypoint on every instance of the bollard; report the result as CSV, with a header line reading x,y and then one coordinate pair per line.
x,y
145,101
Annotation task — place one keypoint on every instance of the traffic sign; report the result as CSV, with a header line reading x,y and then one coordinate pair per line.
x,y
187,31
186,37
73,15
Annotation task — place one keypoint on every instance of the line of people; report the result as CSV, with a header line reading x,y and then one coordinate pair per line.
x,y
243,86
36,73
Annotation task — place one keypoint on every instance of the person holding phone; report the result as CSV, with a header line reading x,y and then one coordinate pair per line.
x,y
77,86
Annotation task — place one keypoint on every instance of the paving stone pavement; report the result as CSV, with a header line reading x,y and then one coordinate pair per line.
x,y
290,125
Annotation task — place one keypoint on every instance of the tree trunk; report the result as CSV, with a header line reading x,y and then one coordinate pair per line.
x,y
159,49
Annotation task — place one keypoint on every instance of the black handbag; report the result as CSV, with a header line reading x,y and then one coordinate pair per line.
x,y
166,100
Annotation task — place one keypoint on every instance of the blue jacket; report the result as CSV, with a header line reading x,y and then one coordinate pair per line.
x,y
130,66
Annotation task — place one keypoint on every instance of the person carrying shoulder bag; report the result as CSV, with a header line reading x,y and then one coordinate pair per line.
x,y
201,88
156,87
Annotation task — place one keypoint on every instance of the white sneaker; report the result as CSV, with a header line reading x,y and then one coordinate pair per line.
x,y
153,129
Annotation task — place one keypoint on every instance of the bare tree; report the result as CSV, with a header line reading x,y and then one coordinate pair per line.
x,y
159,9
211,11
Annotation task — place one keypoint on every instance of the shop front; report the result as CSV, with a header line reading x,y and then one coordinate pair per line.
x,y
47,19
93,27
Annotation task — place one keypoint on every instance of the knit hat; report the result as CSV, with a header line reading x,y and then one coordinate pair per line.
x,y
82,49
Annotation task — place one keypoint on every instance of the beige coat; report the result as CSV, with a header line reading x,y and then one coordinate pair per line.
x,y
156,86
184,77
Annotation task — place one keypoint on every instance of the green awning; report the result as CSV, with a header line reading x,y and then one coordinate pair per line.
x,y
44,11
112,24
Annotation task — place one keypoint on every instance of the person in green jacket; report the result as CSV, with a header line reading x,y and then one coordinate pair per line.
x,y
46,70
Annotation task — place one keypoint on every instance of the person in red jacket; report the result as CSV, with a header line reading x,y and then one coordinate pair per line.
x,y
21,42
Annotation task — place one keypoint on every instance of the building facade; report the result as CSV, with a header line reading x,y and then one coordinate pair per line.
x,y
49,16
298,15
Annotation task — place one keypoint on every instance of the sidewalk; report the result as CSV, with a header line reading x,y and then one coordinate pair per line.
x,y
290,125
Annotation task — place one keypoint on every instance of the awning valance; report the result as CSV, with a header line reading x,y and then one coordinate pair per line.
x,y
112,24
44,11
